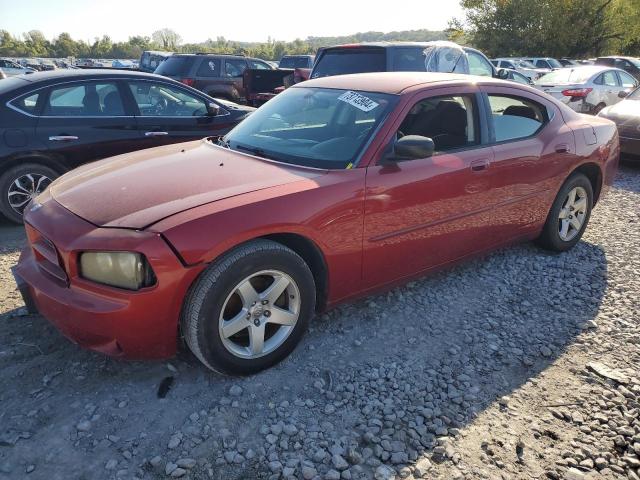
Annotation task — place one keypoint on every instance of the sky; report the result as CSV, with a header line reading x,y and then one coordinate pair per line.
x,y
244,20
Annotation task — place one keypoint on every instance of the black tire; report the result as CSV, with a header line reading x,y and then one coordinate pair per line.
x,y
598,108
7,182
550,238
205,301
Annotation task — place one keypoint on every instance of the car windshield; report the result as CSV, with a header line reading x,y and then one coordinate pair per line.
x,y
315,127
554,63
635,61
350,60
294,62
635,95
566,75
524,64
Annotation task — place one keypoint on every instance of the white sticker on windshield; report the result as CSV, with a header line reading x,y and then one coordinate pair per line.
x,y
359,101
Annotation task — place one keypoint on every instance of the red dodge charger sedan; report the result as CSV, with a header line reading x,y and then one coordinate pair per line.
x,y
337,188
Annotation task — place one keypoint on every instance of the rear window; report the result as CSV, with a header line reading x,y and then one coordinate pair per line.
x,y
566,75
294,62
350,60
174,66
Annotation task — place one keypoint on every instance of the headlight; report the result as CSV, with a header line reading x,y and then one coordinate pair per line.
x,y
119,269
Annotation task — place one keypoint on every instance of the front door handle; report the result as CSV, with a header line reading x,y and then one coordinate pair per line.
x,y
479,165
62,138
155,134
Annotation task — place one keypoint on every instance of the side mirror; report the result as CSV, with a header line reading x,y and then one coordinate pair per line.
x,y
503,73
622,94
411,147
212,109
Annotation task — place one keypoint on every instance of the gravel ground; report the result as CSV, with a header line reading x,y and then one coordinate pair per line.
x,y
519,365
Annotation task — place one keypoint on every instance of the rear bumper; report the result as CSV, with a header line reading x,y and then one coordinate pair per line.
x,y
138,325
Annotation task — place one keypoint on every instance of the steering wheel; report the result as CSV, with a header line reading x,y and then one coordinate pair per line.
x,y
161,105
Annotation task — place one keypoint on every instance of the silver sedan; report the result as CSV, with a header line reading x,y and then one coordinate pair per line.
x,y
587,89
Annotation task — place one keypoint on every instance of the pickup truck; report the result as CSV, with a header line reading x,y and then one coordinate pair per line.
x,y
438,56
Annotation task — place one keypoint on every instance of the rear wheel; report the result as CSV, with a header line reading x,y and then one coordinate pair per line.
x,y
20,184
249,309
598,108
569,214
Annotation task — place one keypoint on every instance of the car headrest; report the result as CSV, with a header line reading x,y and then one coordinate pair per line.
x,y
520,111
452,117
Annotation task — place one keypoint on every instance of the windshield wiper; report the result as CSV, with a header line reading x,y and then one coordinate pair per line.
x,y
256,151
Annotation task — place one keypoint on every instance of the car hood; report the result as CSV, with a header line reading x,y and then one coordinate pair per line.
x,y
138,189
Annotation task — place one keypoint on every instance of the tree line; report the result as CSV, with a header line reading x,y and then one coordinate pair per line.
x,y
555,28
34,44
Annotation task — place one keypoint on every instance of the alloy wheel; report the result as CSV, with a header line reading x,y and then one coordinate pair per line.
x,y
259,314
573,214
25,188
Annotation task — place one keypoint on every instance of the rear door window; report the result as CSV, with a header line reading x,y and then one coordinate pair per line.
x,y
516,117
609,79
175,66
210,67
350,60
92,99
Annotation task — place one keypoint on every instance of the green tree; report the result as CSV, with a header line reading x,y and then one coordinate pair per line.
x,y
166,39
576,28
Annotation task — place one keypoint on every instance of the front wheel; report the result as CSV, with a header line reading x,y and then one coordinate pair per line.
x,y
249,309
20,184
569,215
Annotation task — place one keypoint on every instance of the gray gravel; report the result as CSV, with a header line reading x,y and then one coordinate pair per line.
x,y
519,365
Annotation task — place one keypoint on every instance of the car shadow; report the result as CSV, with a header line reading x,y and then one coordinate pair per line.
x,y
442,348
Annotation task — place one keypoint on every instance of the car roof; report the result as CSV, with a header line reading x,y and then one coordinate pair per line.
x,y
618,56
394,82
204,54
384,44
593,69
82,73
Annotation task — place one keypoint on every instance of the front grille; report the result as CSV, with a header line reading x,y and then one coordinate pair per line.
x,y
46,255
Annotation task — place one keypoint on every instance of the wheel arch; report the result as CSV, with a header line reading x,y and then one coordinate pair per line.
x,y
34,157
314,258
593,172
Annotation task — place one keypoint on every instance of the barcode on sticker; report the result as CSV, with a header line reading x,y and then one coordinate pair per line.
x,y
357,100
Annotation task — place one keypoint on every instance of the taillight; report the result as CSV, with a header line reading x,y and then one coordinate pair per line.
x,y
188,81
577,92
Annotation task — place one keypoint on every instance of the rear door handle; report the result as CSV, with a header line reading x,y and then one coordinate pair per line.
x,y
155,134
479,165
562,148
62,138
